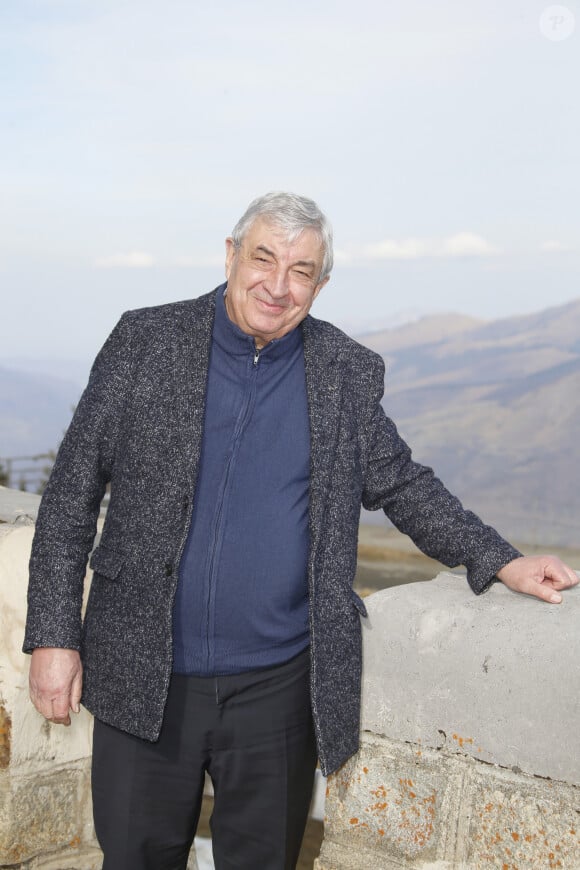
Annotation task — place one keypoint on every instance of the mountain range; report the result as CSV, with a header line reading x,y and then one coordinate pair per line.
x,y
492,406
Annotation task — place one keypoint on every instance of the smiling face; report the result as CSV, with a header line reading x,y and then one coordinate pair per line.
x,y
272,282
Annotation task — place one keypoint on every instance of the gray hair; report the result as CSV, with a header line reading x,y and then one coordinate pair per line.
x,y
292,213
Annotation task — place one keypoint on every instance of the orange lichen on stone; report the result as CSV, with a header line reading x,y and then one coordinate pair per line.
x,y
365,770
515,836
416,819
75,842
5,737
462,740
422,837
380,832
354,821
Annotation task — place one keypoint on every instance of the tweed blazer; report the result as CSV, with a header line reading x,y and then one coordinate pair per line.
x,y
138,427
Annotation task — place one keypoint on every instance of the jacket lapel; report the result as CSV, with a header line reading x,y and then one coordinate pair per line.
x,y
191,364
323,388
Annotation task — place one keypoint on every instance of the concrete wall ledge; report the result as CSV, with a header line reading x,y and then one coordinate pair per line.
x,y
470,749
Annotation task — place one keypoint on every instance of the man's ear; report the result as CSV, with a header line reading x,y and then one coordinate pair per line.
x,y
230,254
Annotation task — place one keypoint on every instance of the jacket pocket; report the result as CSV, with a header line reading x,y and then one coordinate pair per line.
x,y
358,603
108,563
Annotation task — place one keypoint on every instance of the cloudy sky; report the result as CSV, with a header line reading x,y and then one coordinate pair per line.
x,y
442,140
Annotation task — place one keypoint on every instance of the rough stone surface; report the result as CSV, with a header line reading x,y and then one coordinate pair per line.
x,y
77,857
469,754
44,812
489,676
518,822
396,805
389,800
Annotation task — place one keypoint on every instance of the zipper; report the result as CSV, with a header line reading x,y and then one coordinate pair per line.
x,y
216,539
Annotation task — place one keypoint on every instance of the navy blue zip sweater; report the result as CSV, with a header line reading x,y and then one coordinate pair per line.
x,y
242,596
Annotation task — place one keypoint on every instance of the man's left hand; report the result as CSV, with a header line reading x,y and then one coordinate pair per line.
x,y
542,576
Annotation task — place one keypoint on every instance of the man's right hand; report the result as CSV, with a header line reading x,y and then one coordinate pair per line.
x,y
55,682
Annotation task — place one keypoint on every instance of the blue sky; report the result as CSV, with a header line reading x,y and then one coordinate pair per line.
x,y
440,138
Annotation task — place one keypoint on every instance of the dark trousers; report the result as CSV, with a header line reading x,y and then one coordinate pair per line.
x,y
253,734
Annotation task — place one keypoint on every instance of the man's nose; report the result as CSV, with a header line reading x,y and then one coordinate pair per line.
x,y
277,284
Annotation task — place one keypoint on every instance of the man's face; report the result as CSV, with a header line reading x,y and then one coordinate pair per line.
x,y
272,283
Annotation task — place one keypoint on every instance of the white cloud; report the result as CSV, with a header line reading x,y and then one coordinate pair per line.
x,y
467,245
342,256
195,262
391,249
132,260
464,244
552,246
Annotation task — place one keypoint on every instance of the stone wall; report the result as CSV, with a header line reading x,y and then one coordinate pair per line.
x,y
470,742
45,800
45,804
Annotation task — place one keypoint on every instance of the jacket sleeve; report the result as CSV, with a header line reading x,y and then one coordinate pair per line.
x,y
67,518
419,505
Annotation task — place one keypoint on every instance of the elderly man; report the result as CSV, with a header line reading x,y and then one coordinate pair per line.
x,y
240,437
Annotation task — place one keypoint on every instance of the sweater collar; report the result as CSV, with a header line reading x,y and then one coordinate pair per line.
x,y
231,339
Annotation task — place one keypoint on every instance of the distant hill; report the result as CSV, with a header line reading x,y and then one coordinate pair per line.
x,y
494,407
35,409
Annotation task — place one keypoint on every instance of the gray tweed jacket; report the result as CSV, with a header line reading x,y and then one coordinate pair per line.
x,y
139,426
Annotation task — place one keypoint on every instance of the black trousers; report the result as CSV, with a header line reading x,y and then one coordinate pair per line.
x,y
253,734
